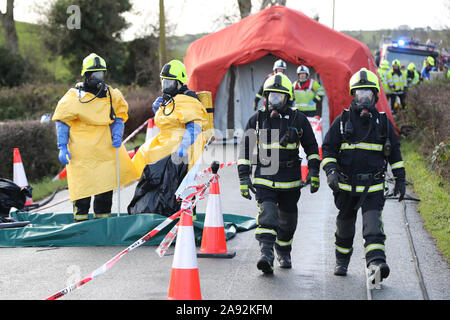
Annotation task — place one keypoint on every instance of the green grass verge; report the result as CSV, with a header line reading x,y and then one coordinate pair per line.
x,y
433,192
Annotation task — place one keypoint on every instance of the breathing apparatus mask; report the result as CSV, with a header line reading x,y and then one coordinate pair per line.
x,y
94,82
364,102
277,104
169,88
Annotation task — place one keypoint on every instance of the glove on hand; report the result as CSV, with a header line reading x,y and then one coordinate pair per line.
x,y
245,185
64,154
157,103
313,175
333,180
117,128
400,188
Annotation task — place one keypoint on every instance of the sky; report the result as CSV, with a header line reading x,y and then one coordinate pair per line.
x,y
202,16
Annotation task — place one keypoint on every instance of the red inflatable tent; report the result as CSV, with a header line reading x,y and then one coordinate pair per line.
x,y
277,32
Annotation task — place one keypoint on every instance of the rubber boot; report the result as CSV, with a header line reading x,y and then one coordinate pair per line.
x,y
384,268
284,259
265,262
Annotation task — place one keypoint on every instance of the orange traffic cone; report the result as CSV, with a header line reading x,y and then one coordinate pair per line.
x,y
185,280
304,164
213,238
19,176
152,130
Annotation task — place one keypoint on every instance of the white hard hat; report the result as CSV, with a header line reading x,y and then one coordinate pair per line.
x,y
279,64
303,69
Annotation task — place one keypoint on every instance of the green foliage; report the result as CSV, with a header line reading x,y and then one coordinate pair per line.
x,y
30,101
37,146
433,191
12,68
100,32
142,64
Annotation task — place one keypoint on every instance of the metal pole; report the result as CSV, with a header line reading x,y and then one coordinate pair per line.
x,y
332,26
118,182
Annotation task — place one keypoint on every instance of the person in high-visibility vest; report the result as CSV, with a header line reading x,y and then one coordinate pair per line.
x,y
308,92
398,85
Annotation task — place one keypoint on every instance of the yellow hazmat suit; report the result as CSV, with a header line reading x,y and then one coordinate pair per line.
x,y
93,166
171,122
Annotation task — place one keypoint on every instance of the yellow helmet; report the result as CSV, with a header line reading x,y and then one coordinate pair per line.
x,y
279,83
411,66
93,62
430,60
364,79
174,69
396,62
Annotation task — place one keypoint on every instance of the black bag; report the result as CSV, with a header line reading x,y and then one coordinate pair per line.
x,y
11,195
155,191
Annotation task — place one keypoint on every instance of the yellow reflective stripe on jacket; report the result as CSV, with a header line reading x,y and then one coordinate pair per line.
x,y
375,246
362,145
327,160
313,156
372,188
397,165
244,162
276,145
277,185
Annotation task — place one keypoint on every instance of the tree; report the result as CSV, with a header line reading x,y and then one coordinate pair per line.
x,y
245,7
270,3
162,35
10,27
99,32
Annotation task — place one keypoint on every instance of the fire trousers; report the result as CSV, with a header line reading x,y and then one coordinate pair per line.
x,y
372,224
277,217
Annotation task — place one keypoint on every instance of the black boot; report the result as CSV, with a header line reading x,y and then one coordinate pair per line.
x,y
382,265
284,259
342,261
265,262
341,267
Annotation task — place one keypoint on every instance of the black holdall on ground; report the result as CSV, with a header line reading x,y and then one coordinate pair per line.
x,y
11,195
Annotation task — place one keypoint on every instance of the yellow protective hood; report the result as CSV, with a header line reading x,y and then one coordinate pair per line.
x,y
93,167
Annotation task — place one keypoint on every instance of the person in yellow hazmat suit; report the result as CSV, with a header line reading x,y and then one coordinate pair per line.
x,y
181,119
89,124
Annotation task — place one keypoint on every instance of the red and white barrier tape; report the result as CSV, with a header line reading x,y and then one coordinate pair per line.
x,y
187,204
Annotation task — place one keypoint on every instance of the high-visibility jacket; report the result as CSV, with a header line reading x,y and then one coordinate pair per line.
x,y
277,166
399,82
306,94
412,77
361,162
386,79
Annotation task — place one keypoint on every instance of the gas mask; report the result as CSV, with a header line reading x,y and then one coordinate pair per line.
x,y
364,102
169,88
277,104
95,80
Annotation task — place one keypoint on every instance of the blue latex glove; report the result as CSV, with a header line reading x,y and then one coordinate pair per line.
x,y
189,136
117,128
62,136
157,103
64,155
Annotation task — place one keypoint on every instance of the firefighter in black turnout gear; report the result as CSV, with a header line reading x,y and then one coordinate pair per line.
x,y
277,131
356,151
